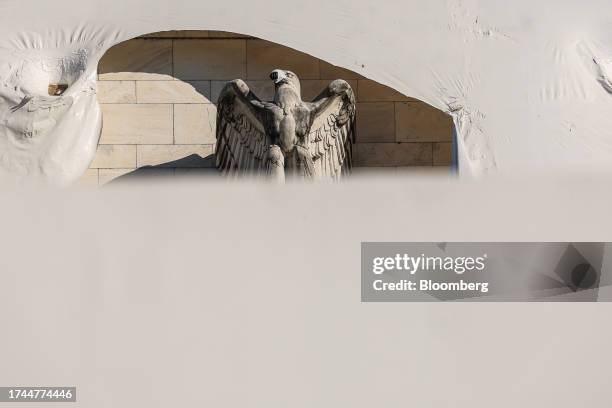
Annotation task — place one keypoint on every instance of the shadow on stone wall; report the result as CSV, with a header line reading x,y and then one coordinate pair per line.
x,y
192,165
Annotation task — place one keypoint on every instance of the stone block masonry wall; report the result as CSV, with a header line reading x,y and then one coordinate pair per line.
x,y
158,96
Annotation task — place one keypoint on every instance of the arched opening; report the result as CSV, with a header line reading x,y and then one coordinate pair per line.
x,y
158,94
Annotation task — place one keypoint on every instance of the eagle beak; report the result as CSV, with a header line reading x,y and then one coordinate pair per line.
x,y
278,76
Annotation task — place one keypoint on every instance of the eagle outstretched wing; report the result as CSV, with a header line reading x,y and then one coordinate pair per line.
x,y
241,137
332,134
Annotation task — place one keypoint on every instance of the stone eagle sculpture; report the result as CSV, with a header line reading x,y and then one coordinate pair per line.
x,y
286,137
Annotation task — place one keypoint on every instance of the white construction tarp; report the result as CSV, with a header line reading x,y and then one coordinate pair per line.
x,y
529,83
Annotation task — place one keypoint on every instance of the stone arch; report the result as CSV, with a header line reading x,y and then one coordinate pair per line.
x,y
158,95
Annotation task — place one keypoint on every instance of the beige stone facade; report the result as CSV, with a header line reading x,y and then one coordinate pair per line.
x,y
158,96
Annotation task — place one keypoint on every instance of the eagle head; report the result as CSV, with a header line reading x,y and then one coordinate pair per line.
x,y
282,78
